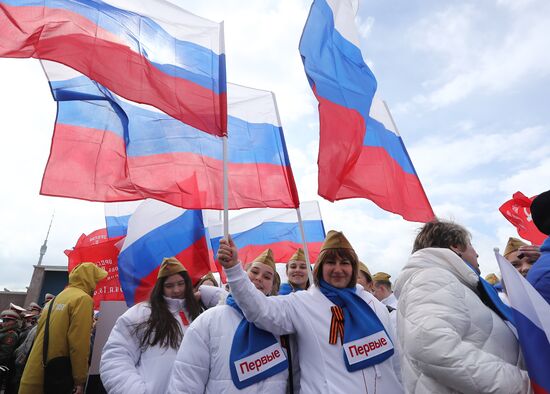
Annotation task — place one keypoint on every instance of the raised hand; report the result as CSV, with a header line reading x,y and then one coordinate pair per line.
x,y
227,253
530,251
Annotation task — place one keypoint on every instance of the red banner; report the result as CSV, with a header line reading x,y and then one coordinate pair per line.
x,y
518,212
96,248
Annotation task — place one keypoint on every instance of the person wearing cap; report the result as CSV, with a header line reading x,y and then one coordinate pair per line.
x,y
296,272
383,290
454,332
8,343
29,321
34,308
222,352
26,339
521,255
143,344
69,330
539,275
364,278
48,297
207,280
492,278
345,339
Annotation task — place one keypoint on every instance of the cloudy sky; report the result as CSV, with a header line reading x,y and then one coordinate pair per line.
x,y
468,83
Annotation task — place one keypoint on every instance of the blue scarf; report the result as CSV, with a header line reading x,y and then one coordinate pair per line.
x,y
489,296
286,289
255,354
365,340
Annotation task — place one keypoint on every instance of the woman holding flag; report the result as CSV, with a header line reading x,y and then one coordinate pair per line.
x,y
143,344
344,336
223,352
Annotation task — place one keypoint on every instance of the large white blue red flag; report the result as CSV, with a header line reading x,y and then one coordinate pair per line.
x,y
358,157
108,149
278,229
384,172
532,321
150,52
157,230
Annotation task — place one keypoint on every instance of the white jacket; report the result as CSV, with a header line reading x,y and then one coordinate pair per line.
x,y
390,300
124,368
202,363
307,314
450,341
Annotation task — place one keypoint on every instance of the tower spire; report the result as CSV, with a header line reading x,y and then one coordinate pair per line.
x,y
44,246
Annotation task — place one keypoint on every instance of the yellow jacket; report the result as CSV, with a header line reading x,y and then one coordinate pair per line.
x,y
70,329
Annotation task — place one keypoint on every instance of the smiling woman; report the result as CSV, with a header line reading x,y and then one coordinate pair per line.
x,y
334,322
296,272
223,352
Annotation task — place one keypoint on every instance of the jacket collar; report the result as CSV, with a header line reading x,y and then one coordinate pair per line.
x,y
441,258
174,305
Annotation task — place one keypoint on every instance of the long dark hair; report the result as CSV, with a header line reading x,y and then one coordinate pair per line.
x,y
162,328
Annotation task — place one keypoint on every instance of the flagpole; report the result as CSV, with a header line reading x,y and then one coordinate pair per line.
x,y
225,191
225,154
406,152
304,242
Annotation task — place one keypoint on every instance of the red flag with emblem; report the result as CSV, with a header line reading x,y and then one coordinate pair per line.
x,y
96,248
518,212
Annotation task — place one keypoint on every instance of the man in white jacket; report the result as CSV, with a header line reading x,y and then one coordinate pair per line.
x,y
452,331
329,361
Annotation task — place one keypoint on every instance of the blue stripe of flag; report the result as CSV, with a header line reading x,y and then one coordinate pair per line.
x,y
117,226
335,66
378,136
144,255
150,132
273,232
536,349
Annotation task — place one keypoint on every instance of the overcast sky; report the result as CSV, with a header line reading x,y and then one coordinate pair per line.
x,y
468,83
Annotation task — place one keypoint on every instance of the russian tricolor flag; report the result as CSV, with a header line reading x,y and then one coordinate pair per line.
x,y
108,149
343,84
278,229
384,172
150,52
532,321
157,230
361,155
117,215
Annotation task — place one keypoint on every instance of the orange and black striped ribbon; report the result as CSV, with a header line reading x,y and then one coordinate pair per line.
x,y
336,325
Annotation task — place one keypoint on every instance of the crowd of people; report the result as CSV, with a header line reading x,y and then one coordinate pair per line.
x,y
438,328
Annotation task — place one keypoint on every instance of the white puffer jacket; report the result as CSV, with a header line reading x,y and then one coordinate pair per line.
x,y
202,363
124,368
450,341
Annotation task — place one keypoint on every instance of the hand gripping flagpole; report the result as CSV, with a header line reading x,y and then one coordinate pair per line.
x,y
306,251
